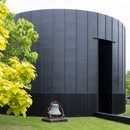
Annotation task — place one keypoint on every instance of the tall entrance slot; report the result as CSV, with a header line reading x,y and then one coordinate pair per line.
x,y
105,76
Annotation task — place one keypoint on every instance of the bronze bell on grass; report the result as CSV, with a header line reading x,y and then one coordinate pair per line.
x,y
54,110
55,113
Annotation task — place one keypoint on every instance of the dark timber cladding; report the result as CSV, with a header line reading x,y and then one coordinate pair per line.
x,y
76,50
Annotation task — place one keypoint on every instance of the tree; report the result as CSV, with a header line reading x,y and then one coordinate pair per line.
x,y
22,34
128,83
16,58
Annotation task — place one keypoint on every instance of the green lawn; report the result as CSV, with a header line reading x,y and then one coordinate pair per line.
x,y
127,113
82,123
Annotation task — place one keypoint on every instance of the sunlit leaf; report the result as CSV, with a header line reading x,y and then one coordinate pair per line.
x,y
5,100
1,97
16,112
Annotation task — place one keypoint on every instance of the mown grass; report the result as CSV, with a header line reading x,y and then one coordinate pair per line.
x,y
80,123
127,113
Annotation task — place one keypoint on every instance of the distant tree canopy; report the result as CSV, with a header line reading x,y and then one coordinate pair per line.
x,y
128,83
16,58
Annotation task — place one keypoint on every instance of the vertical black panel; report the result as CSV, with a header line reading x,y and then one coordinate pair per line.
x,y
27,15
58,16
70,51
124,57
70,16
33,16
108,28
58,51
101,26
18,16
115,62
120,58
92,53
47,51
118,104
46,16
79,104
92,103
81,52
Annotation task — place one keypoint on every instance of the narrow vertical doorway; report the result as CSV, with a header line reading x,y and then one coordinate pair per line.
x,y
105,76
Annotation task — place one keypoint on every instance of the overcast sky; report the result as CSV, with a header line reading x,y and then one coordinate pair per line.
x,y
119,9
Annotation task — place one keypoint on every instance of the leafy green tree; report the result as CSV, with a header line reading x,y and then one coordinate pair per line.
x,y
16,58
22,34
128,83
4,34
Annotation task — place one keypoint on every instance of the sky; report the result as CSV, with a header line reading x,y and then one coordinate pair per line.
x,y
119,9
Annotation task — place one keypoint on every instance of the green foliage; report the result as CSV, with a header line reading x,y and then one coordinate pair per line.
x,y
3,1
128,83
16,70
22,34
4,33
15,78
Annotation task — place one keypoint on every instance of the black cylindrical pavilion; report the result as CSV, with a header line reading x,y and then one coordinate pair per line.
x,y
81,62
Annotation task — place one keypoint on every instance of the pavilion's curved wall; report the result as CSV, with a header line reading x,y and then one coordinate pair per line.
x,y
67,66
